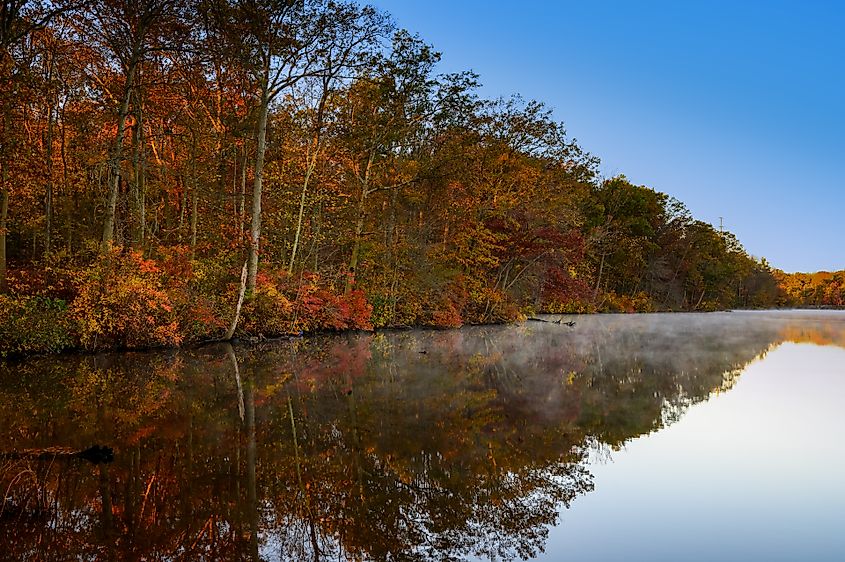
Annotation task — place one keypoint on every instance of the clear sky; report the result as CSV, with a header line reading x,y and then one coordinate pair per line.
x,y
737,108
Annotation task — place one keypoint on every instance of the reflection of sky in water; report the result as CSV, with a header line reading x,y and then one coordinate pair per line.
x,y
754,474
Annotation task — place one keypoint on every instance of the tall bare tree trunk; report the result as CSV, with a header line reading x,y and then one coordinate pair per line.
x,y
139,167
4,214
52,116
194,196
255,230
311,165
234,325
351,271
316,227
65,185
598,281
242,196
310,170
48,196
194,199
142,201
111,206
390,230
136,178
6,65
183,205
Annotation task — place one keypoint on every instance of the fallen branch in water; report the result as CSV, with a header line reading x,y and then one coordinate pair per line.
x,y
570,323
96,454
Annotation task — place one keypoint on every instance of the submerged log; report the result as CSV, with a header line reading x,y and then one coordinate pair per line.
x,y
570,323
96,454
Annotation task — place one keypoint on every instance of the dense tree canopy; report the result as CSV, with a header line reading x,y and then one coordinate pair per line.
x,y
820,289
150,149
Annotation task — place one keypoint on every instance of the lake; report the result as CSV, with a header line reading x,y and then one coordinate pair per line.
x,y
625,437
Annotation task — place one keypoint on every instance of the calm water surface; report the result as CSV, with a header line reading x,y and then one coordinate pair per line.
x,y
626,437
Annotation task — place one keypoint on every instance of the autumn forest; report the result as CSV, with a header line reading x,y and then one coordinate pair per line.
x,y
180,171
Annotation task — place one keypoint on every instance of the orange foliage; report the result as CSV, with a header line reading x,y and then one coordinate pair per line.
x,y
623,303
121,303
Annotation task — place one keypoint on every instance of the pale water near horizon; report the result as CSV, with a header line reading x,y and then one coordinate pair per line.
x,y
627,437
754,474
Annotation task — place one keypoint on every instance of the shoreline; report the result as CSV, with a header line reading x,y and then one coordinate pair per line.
x,y
254,341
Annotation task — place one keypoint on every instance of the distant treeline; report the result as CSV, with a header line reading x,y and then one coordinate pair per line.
x,y
822,289
153,150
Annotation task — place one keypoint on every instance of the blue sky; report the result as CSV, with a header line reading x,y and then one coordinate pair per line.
x,y
735,108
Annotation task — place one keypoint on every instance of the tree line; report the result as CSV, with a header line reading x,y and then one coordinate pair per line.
x,y
156,156
822,289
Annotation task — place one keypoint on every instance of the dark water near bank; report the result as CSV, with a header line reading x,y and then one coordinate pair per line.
x,y
632,437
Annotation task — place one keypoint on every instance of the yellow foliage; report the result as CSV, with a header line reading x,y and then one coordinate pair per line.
x,y
121,303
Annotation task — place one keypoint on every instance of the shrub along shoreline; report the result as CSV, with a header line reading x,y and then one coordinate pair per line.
x,y
123,301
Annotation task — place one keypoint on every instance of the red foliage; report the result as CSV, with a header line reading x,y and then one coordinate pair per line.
x,y
175,265
326,310
447,317
57,283
284,304
561,286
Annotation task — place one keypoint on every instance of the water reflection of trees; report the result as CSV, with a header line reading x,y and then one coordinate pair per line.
x,y
348,447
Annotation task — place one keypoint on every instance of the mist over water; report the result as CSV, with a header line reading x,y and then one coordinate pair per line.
x,y
623,437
